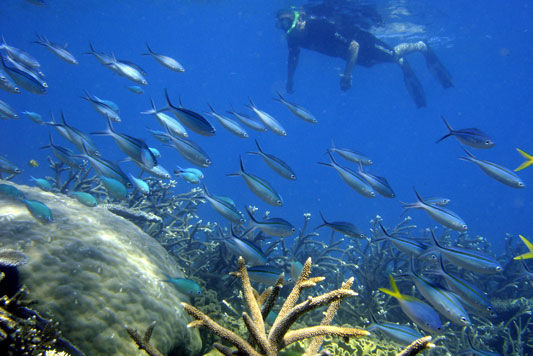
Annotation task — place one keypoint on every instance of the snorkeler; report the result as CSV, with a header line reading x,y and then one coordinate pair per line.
x,y
355,46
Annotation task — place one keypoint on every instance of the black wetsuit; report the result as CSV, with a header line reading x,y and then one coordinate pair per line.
x,y
323,36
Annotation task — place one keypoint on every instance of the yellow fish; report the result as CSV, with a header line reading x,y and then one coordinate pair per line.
x,y
527,163
527,254
33,163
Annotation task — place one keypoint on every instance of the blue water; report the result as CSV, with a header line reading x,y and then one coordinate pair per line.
x,y
231,51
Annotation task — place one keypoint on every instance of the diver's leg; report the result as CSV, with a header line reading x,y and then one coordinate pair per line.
x,y
432,61
413,85
346,77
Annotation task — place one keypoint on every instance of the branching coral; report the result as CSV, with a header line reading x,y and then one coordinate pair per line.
x,y
279,336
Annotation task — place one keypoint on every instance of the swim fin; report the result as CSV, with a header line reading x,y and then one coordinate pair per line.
x,y
437,69
413,84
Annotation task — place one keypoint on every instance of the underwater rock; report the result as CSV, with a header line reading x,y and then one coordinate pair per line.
x,y
94,272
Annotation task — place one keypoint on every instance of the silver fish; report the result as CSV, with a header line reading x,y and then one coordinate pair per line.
x,y
443,216
101,107
19,55
248,121
229,124
351,155
379,184
268,120
259,186
277,165
472,137
25,77
165,61
352,178
7,112
190,150
297,110
173,125
126,70
59,51
191,119
7,84
493,170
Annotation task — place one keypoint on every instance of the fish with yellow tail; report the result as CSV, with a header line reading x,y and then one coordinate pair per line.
x,y
529,246
421,313
528,162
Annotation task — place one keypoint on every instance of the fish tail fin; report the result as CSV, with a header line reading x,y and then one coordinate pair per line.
x,y
63,120
258,146
331,157
211,108
252,105
169,103
206,192
109,130
240,172
395,292
323,218
91,47
447,124
443,137
241,164
325,164
153,109
527,163
150,52
529,246
383,229
253,220
418,197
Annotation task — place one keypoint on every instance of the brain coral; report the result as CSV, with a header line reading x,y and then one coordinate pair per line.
x,y
94,273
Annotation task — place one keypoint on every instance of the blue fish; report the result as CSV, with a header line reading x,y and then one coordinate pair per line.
x,y
174,127
39,210
106,168
115,188
421,313
7,84
135,89
11,191
192,120
140,184
351,155
86,199
103,107
43,184
189,150
240,246
297,110
446,302
81,140
19,55
472,137
229,124
185,286
379,184
35,117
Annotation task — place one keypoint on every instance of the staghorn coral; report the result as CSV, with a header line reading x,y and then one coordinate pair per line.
x,y
279,335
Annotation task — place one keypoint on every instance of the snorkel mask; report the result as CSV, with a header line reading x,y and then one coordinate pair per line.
x,y
296,17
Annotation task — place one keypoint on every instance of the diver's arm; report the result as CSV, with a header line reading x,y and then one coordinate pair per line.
x,y
346,78
294,55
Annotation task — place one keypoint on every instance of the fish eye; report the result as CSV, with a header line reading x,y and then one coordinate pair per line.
x,y
293,176
487,142
464,227
284,133
520,184
45,85
293,229
372,194
17,90
464,320
207,161
499,269
279,202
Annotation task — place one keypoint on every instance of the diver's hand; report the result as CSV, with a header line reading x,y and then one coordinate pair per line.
x,y
289,87
346,82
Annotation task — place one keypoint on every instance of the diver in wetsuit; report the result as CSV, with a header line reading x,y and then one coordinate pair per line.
x,y
355,46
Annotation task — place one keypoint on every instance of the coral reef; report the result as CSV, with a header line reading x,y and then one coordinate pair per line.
x,y
279,336
93,272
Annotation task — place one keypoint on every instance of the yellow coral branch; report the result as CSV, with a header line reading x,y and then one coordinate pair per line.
x,y
320,331
225,334
253,306
417,346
